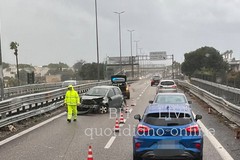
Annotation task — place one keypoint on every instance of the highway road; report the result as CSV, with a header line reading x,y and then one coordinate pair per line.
x,y
59,140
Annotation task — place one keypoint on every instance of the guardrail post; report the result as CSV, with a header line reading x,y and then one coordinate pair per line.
x,y
3,115
24,108
36,105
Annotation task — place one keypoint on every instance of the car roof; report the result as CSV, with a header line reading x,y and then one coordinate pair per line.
x,y
172,93
106,87
158,108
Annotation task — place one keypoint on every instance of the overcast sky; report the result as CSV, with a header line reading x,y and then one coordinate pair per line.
x,y
52,31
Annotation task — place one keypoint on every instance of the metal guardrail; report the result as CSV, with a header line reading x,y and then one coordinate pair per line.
x,y
22,107
229,110
229,93
35,88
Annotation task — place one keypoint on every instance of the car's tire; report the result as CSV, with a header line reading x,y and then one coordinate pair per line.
x,y
103,109
135,157
199,158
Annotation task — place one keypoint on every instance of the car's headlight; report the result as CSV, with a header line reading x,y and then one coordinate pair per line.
x,y
105,100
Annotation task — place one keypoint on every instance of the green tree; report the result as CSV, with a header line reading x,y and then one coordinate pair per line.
x,y
58,66
205,59
89,71
14,46
77,67
5,65
26,66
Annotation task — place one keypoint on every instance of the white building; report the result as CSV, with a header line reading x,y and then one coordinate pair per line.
x,y
233,63
11,71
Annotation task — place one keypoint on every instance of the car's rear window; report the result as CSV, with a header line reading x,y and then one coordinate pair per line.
x,y
156,78
168,119
170,99
167,83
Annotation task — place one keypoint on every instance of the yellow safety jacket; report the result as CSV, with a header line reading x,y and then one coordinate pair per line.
x,y
72,98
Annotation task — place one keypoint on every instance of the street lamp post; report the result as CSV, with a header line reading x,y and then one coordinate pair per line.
x,y
98,68
131,51
137,56
1,72
172,66
120,43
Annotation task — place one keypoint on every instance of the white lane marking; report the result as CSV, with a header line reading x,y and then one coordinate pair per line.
x,y
138,98
140,95
130,110
110,142
30,129
216,144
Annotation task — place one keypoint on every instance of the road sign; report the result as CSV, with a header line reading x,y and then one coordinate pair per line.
x,y
125,60
155,56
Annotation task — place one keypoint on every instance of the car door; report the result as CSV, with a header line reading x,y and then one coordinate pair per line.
x,y
119,96
113,99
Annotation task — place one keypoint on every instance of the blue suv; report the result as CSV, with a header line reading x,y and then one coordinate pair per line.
x,y
167,132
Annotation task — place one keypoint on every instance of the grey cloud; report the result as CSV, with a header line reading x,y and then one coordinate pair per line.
x,y
64,30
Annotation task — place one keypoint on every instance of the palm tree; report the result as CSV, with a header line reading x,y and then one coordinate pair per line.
x,y
14,46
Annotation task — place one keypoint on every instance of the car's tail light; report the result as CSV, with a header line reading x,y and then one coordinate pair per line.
x,y
198,145
142,128
137,145
127,88
192,129
174,86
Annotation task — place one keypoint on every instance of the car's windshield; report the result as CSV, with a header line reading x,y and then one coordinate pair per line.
x,y
170,99
97,92
156,78
168,119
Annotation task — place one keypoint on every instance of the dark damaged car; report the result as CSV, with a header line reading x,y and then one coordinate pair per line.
x,y
100,98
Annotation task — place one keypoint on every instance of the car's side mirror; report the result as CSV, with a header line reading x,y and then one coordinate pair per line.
x,y
189,102
151,101
137,117
198,117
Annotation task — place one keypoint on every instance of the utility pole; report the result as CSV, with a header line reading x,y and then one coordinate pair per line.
x,y
98,68
137,57
120,40
172,66
1,72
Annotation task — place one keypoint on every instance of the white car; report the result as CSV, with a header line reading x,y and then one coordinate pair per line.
x,y
69,82
166,86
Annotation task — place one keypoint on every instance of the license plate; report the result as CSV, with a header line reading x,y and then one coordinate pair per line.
x,y
168,144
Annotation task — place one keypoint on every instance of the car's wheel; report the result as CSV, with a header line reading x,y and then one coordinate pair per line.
x,y
135,157
199,158
103,109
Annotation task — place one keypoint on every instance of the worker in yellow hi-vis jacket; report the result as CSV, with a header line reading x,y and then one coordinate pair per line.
x,y
72,100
